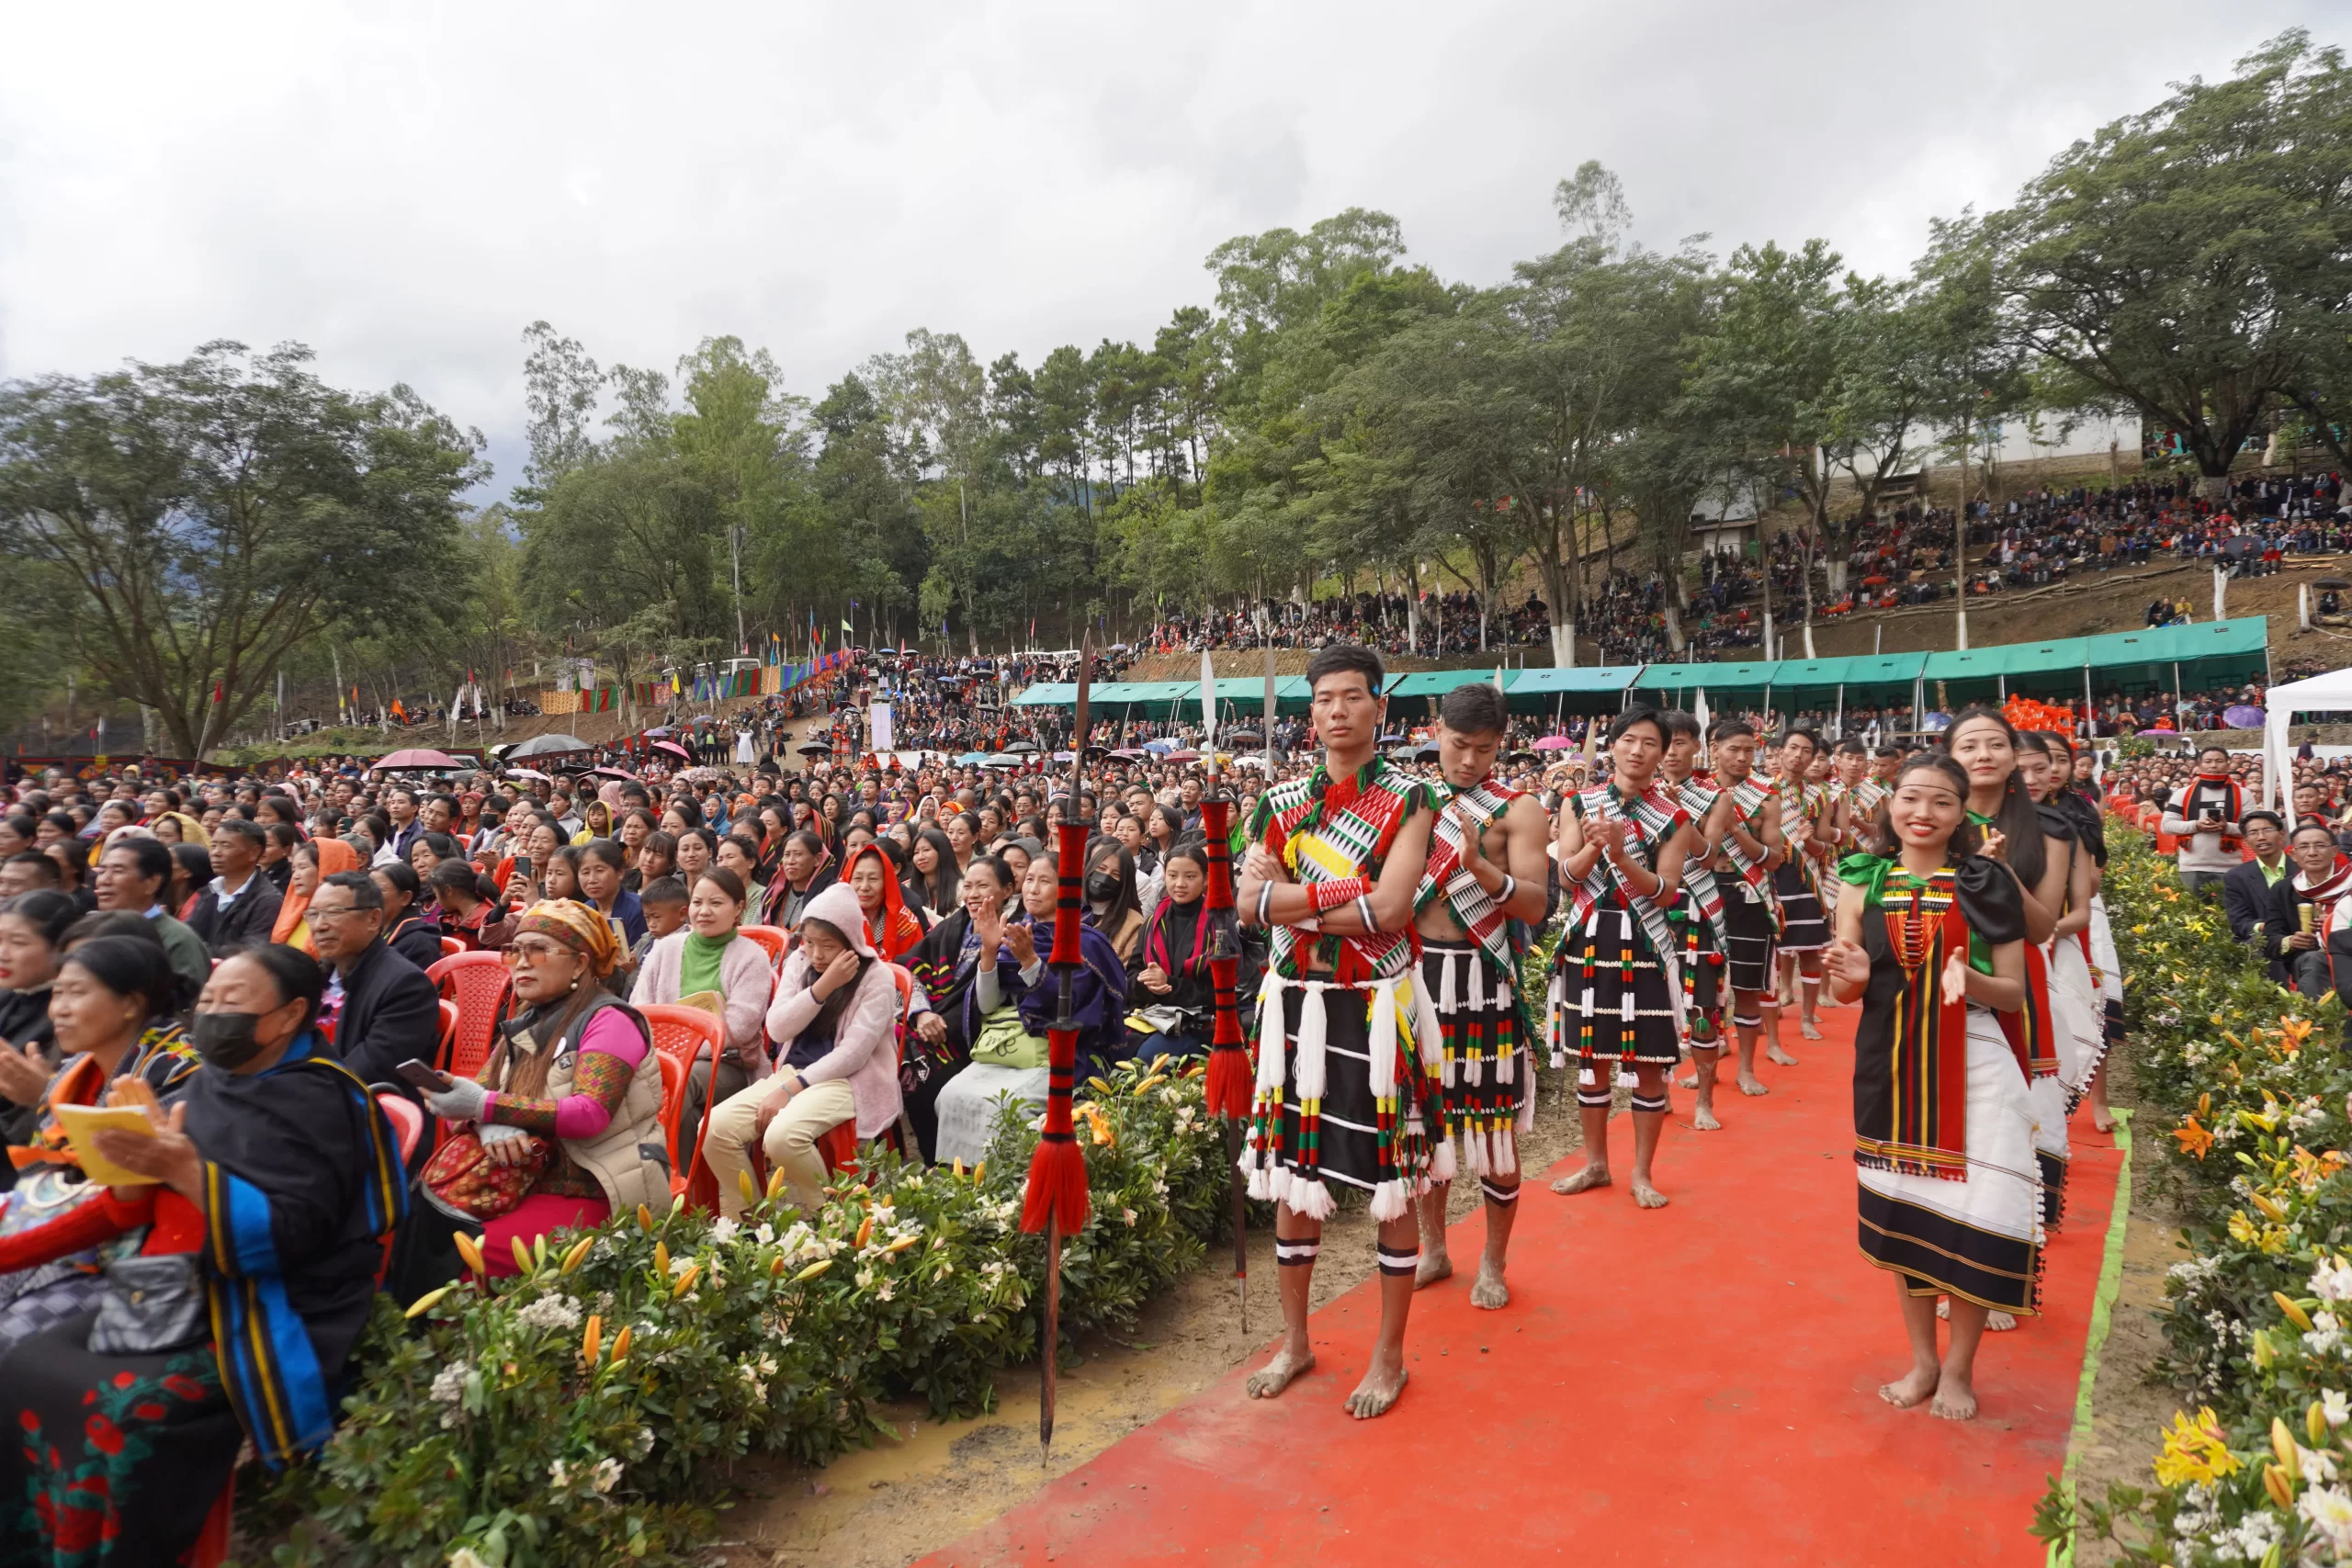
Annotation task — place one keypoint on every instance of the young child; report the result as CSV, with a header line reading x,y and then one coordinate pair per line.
x,y
664,902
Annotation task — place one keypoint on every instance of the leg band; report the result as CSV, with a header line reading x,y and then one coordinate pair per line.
x,y
1596,1098
1396,1262
1654,1105
1296,1254
1740,1023
1499,1194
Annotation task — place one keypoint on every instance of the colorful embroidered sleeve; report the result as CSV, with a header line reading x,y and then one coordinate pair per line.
x,y
610,1050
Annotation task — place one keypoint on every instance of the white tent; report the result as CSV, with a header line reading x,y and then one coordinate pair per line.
x,y
2331,693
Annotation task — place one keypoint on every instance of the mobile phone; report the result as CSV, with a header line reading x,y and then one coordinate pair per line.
x,y
523,867
422,1074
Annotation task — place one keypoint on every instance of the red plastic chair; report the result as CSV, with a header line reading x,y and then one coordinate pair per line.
x,y
683,1036
449,1016
480,986
837,1146
774,939
451,947
408,1123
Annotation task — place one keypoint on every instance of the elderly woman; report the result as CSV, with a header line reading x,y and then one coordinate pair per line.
x,y
835,1023
574,1076
874,878
314,861
275,1180
1013,1001
711,963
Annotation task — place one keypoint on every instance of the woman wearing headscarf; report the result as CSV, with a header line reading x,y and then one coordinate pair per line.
x,y
573,1078
873,876
835,1023
276,1181
314,861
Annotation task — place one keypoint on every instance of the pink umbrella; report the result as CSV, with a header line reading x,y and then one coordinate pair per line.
x,y
1555,743
418,757
674,749
614,774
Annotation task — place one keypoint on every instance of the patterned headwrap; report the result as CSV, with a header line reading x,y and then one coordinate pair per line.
x,y
579,927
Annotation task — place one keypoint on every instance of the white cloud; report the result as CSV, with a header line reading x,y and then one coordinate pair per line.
x,y
404,189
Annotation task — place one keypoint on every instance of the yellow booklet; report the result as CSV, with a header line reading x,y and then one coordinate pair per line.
x,y
710,1002
82,1124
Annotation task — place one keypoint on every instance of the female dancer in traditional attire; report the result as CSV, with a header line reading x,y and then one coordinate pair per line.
x,y
1621,849
1344,1090
1931,939
2077,1026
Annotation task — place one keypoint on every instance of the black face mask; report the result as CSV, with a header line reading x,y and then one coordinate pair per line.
x,y
226,1039
1101,886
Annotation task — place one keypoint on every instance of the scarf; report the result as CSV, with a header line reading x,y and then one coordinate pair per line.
x,y
1443,876
1699,890
895,932
700,962
334,856
1168,923
1804,801
2327,892
1748,799
2221,791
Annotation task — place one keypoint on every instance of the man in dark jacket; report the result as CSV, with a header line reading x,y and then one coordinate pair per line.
x,y
2292,936
390,1012
241,905
2245,889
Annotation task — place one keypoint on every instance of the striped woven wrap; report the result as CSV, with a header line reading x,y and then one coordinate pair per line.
x,y
1867,796
1445,877
1699,888
1748,802
1811,802
1653,819
1326,830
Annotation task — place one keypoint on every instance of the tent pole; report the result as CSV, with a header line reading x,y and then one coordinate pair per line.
x,y
1837,725
2090,709
2180,719
2004,679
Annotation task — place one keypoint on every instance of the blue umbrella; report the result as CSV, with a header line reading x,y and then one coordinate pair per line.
x,y
972,758
1160,745
2242,715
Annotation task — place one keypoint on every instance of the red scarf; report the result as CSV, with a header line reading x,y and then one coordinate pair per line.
x,y
2229,818
896,932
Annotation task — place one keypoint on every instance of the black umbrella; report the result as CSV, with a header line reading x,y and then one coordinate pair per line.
x,y
2330,582
814,749
547,746
1242,738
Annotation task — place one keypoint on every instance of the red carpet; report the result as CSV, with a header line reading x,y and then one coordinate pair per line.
x,y
1692,1385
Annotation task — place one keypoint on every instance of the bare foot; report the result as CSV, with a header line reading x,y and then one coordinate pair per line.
x,y
1812,1032
1278,1374
1488,1291
1750,1083
1994,1322
1647,1197
2102,1119
1378,1391
1434,1266
1702,1119
1911,1388
1955,1401
1583,1180
1688,1080
1780,1059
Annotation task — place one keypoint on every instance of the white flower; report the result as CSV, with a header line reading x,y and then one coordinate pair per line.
x,y
558,1475
945,1267
2334,1406
2328,1510
550,1312
888,1289
608,1474
680,1265
2255,1536
449,1384
466,1557
864,1277
1128,1216
722,1230
765,1235
2332,1280
2316,1466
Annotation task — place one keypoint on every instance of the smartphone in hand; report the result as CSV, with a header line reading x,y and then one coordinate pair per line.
x,y
422,1074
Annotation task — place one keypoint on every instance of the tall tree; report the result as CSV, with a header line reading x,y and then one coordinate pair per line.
x,y
212,515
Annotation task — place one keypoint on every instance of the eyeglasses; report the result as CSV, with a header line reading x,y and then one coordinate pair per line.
x,y
330,912
533,951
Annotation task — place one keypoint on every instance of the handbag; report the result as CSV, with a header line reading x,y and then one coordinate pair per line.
x,y
465,1183
1005,1042
151,1304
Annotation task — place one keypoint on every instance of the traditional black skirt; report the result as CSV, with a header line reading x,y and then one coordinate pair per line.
x,y
1804,925
1749,920
1613,999
1485,1066
1701,964
1345,1137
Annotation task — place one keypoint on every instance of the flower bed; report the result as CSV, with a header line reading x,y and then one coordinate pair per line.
x,y
2246,1093
587,1411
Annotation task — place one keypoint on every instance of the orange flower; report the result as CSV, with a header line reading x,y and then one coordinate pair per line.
x,y
2192,1138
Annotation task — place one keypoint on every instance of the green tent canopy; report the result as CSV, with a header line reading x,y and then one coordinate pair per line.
x,y
1600,688
1749,680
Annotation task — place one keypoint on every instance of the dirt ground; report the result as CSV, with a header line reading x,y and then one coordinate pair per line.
x,y
893,1504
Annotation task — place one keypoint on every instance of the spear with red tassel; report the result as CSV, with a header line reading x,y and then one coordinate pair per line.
x,y
1229,1077
1057,1201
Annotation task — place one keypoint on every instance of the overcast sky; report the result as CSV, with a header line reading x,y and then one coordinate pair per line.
x,y
405,188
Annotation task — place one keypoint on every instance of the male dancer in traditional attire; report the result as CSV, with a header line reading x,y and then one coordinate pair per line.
x,y
1485,882
1744,826
1343,1091
1623,845
1697,917
1804,911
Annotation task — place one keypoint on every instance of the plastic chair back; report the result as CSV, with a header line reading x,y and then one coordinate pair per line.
x,y
408,1121
682,1037
480,986
451,947
772,939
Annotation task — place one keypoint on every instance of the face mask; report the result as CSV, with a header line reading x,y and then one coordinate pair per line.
x,y
226,1039
1102,887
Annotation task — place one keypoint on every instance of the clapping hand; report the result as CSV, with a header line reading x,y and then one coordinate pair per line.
x,y
23,1076
1022,939
1155,979
1956,974
1848,965
1995,846
169,1156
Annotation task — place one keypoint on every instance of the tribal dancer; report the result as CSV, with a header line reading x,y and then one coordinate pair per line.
x,y
1341,1091
1856,797
1484,885
1805,912
1697,917
1622,850
1932,940
1745,828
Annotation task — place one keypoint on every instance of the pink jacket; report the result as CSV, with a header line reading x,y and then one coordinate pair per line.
x,y
744,978
866,1043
